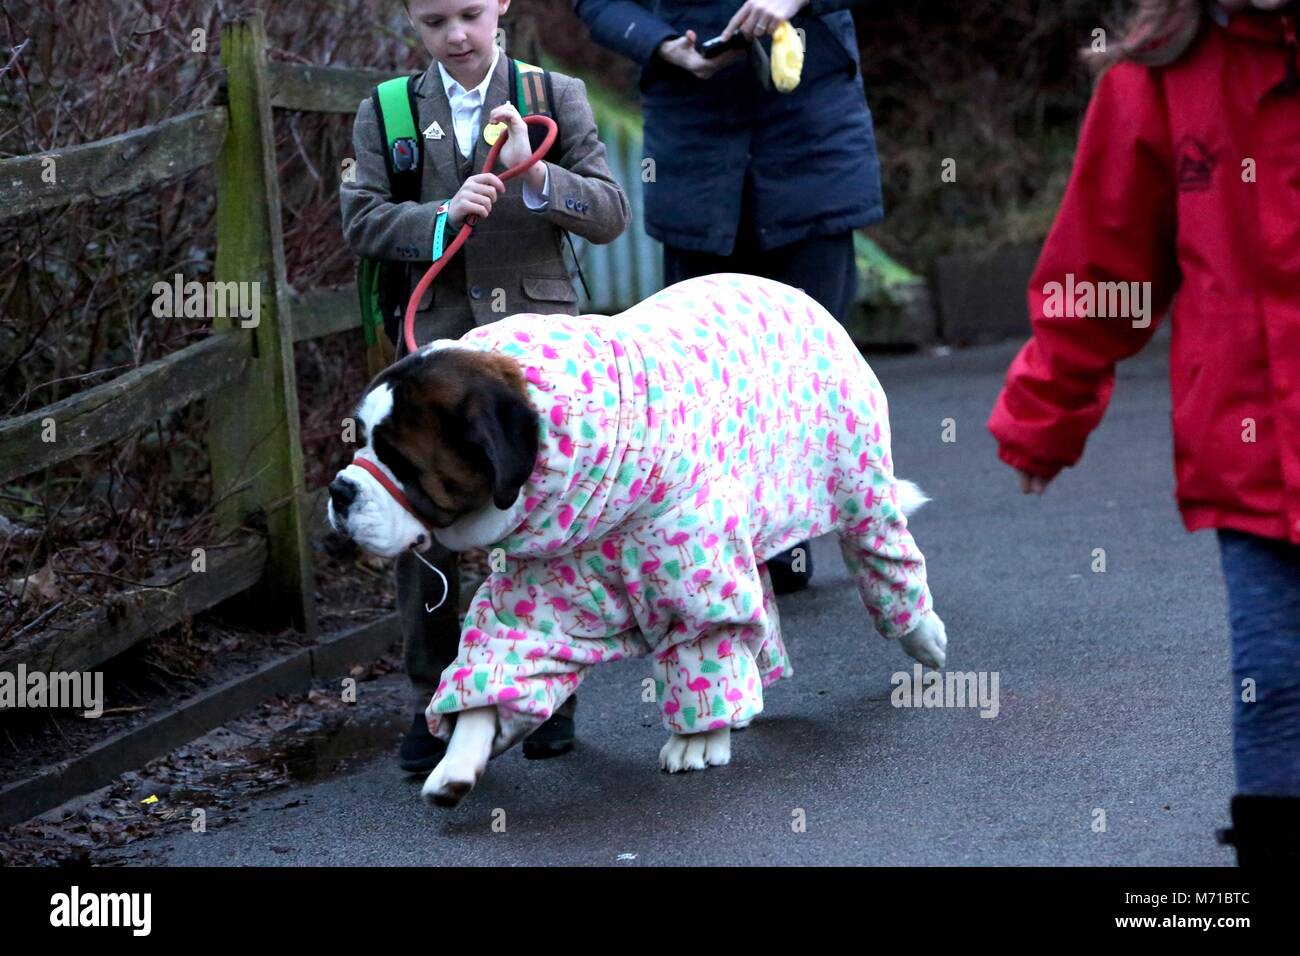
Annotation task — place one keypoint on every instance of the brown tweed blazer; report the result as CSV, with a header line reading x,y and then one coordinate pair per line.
x,y
512,261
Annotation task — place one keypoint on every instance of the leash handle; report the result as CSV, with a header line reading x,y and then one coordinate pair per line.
x,y
535,119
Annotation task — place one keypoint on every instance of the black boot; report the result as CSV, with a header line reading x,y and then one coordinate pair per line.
x,y
555,737
785,579
420,750
1265,831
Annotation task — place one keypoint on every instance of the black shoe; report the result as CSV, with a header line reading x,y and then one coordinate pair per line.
x,y
1265,831
786,580
420,750
555,737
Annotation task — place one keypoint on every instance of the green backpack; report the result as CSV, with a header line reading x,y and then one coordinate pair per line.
x,y
382,285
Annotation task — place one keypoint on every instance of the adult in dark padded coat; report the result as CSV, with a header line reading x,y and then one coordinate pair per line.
x,y
745,178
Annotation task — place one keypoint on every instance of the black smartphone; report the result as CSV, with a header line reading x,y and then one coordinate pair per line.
x,y
717,46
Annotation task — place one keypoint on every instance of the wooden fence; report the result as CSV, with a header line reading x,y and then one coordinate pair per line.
x,y
253,441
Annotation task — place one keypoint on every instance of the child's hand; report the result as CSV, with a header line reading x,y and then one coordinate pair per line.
x,y
1032,484
474,198
517,147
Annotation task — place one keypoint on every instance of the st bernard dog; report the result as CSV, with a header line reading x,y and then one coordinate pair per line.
x,y
630,476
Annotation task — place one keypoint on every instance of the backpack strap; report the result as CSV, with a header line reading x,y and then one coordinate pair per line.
x,y
379,282
397,112
531,86
532,93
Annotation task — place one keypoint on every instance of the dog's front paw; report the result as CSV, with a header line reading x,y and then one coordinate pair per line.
x,y
696,751
449,782
928,641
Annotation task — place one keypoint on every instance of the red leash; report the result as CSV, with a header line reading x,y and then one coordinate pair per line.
x,y
408,326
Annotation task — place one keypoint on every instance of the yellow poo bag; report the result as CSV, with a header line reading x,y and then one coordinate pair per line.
x,y
787,57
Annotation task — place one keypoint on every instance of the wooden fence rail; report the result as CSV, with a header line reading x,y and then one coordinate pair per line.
x,y
139,612
321,89
98,415
112,166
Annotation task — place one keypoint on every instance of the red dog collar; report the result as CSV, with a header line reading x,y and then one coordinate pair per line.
x,y
390,487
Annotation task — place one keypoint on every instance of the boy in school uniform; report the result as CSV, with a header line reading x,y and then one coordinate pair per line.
x,y
511,263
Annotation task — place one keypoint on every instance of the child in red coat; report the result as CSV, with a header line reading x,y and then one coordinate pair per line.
x,y
1185,192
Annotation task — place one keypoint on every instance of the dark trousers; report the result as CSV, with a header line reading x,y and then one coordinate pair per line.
x,y
429,640
1263,579
823,266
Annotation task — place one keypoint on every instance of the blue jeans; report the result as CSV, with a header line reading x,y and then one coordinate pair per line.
x,y
1263,578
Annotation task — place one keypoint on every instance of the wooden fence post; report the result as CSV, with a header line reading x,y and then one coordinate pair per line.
x,y
253,442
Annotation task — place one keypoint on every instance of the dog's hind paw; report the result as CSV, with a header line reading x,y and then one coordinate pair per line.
x,y
928,641
696,751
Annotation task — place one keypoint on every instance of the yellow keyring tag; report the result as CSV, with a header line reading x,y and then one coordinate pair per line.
x,y
492,132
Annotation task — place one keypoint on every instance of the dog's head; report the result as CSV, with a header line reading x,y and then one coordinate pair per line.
x,y
453,428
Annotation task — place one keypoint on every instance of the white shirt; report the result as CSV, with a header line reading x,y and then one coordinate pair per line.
x,y
466,113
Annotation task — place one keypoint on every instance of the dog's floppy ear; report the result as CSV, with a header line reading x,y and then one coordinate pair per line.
x,y
500,422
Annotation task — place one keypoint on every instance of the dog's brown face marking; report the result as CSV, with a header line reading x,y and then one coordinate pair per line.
x,y
461,432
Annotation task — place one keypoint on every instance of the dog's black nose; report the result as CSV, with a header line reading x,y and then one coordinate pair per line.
x,y
342,492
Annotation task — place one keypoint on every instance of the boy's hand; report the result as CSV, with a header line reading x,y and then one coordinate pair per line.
x,y
1032,484
474,198
517,147
680,51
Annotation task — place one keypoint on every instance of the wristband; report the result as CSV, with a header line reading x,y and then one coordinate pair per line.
x,y
440,228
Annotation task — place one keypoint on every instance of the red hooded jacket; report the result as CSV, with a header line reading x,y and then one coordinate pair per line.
x,y
1187,177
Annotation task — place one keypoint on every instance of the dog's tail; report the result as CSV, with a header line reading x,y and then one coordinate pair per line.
x,y
910,497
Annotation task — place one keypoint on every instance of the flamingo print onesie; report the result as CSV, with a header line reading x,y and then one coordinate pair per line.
x,y
683,443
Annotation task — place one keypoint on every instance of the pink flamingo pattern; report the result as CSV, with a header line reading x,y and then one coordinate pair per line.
x,y
735,418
